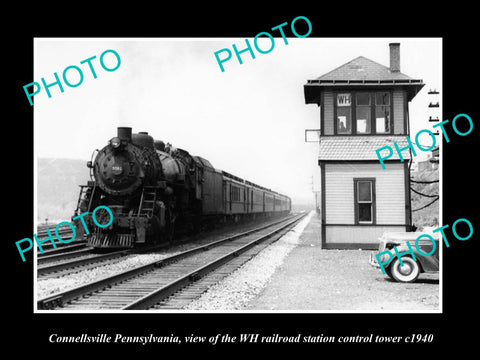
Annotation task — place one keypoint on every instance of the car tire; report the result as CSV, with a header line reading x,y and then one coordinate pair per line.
x,y
407,273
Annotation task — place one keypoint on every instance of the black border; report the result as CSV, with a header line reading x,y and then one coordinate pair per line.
x,y
456,25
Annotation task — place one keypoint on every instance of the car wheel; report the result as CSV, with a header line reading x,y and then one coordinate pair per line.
x,y
407,273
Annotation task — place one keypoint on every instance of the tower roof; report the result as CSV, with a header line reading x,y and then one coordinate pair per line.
x,y
358,148
362,68
361,72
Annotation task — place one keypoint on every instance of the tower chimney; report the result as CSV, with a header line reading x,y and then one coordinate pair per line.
x,y
394,57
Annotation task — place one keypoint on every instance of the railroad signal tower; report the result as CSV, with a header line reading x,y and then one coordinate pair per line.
x,y
363,106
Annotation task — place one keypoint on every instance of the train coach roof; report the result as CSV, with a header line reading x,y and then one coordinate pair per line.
x,y
231,176
249,183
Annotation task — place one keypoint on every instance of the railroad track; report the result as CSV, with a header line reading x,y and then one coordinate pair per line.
x,y
173,281
67,259
63,254
85,259
65,233
77,245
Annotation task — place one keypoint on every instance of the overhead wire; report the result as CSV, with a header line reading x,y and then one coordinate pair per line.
x,y
419,193
424,182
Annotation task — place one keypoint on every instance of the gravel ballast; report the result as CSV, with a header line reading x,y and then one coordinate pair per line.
x,y
48,286
236,290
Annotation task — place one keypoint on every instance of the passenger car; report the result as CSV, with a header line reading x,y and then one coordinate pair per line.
x,y
411,268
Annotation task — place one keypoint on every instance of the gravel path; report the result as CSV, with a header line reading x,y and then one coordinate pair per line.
x,y
342,280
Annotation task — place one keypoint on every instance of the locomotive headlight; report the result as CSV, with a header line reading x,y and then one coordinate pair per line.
x,y
115,142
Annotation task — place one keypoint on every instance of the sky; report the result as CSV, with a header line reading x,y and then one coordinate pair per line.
x,y
248,120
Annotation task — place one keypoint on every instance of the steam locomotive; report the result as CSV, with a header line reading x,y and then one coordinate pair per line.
x,y
152,188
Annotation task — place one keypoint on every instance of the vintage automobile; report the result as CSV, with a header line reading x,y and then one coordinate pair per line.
x,y
411,268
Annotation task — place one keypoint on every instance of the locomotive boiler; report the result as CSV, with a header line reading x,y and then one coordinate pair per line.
x,y
152,188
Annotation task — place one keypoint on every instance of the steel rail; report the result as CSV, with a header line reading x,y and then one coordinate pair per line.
x,y
62,249
45,270
43,233
165,291
63,255
81,262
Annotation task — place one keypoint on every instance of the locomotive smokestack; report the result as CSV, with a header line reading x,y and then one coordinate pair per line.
x,y
125,133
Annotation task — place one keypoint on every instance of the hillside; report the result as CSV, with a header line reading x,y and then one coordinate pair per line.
x,y
58,183
428,216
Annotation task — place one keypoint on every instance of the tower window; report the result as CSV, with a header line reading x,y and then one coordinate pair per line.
x,y
364,191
